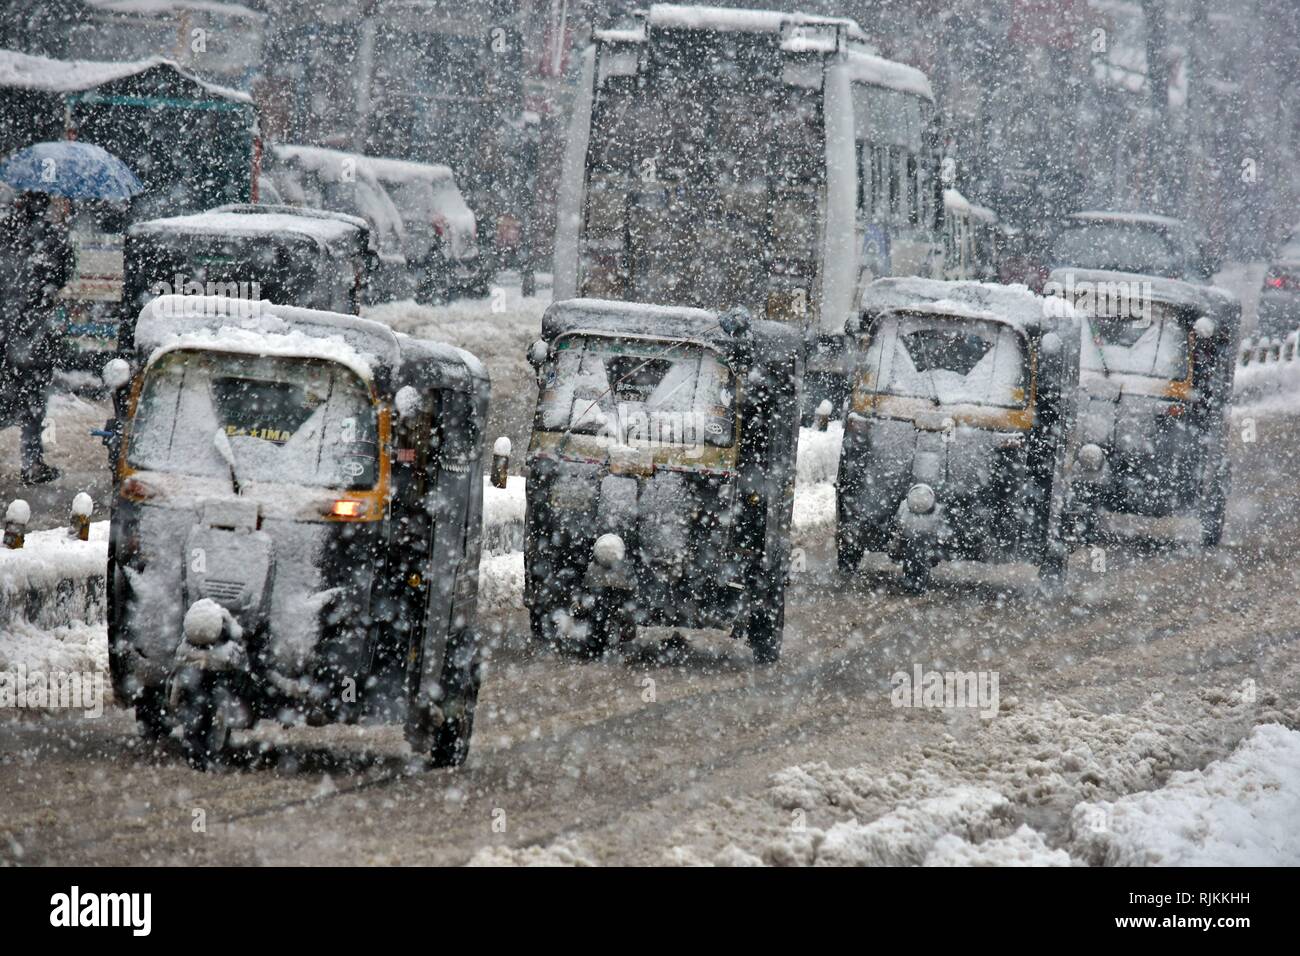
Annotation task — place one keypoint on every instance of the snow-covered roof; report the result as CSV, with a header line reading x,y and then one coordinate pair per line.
x,y
154,8
1203,298
25,71
673,17
223,324
262,328
1144,218
404,170
866,68
955,201
326,228
659,321
1011,304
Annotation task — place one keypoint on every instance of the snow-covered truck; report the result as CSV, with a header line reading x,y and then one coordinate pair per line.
x,y
735,157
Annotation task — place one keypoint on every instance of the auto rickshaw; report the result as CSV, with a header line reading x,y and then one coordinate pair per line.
x,y
958,433
1157,364
296,526
660,474
311,257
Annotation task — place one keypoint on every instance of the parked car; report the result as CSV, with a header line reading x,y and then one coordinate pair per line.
x,y
958,439
1279,299
442,249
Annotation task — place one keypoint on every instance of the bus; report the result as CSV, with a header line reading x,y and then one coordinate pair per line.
x,y
970,239
722,158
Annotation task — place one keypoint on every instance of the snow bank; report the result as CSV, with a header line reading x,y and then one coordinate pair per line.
x,y
53,581
1129,785
1238,811
1268,373
70,649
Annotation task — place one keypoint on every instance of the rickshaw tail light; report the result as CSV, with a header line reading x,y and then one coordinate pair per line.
x,y
137,490
347,508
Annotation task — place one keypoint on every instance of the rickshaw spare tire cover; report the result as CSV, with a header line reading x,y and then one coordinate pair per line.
x,y
204,622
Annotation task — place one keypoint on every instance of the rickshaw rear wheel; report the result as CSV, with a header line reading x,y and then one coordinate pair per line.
x,y
1051,573
848,553
151,716
765,621
1213,512
200,712
451,742
1212,519
916,572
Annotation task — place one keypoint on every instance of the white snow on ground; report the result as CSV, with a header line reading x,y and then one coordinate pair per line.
x,y
819,454
1025,847
1242,810
1123,780
74,649
489,327
49,555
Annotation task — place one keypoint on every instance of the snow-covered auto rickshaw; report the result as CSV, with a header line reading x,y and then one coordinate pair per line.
x,y
660,473
1157,365
310,257
959,430
296,526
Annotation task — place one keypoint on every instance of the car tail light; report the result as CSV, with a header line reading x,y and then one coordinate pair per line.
x,y
1281,280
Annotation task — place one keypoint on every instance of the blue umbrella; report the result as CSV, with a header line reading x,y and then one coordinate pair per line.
x,y
71,169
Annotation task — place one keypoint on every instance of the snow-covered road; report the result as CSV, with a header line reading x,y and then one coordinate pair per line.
x,y
1164,662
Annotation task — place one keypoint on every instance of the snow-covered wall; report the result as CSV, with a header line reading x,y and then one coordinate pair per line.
x,y
1267,369
54,580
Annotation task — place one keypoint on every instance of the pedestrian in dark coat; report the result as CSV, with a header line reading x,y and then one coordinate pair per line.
x,y
40,265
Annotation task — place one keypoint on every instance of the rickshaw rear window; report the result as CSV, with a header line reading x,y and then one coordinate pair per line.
x,y
1154,345
289,420
945,360
667,392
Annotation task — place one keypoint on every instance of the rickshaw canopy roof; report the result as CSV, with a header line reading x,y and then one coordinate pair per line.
x,y
1012,305
46,75
1209,300
328,230
372,350
774,343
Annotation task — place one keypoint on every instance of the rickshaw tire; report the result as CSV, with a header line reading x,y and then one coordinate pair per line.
x,y
1052,574
434,285
1212,519
848,555
203,740
765,632
451,742
916,573
151,717
537,624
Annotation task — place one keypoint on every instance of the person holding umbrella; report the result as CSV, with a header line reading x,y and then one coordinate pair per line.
x,y
40,267
37,264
